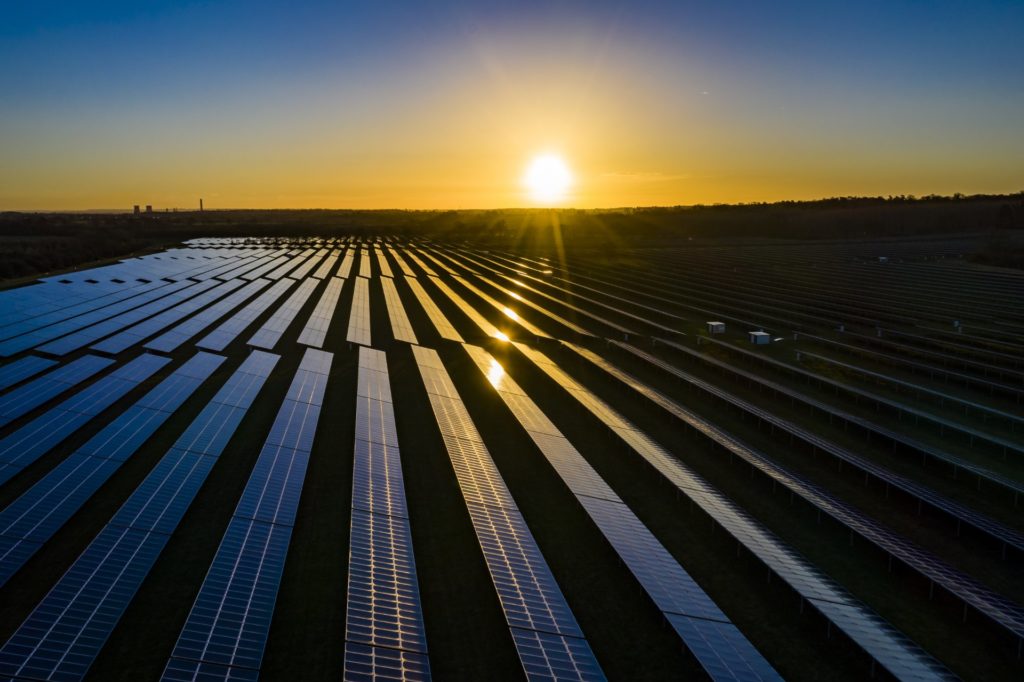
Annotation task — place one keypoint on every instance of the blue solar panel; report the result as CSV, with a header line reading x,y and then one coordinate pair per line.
x,y
33,394
180,670
184,331
230,619
22,369
65,632
36,438
373,664
63,635
662,578
547,657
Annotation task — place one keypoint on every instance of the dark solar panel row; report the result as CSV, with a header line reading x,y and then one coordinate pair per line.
x,y
230,619
36,515
143,330
923,494
889,648
384,618
29,396
526,588
175,294
174,337
929,451
33,440
228,330
268,335
63,635
723,651
24,368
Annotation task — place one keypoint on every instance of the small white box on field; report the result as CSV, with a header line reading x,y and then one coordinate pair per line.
x,y
760,338
716,327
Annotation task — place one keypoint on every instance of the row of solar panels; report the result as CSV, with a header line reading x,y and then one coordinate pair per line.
x,y
65,632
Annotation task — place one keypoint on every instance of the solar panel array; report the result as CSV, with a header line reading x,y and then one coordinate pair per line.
x,y
327,266
879,639
176,336
229,330
63,635
29,333
33,440
143,330
173,294
547,637
962,385
382,263
31,395
270,333
401,327
441,324
384,633
21,369
37,514
319,322
230,619
719,646
359,317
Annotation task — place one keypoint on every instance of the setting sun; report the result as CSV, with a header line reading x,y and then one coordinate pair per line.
x,y
547,179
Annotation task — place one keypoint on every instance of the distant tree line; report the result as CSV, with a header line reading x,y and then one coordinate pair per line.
x,y
35,243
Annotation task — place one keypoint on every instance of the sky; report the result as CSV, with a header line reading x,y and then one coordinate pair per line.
x,y
443,104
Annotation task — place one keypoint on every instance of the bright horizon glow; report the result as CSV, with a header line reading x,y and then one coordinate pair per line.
x,y
548,180
319,104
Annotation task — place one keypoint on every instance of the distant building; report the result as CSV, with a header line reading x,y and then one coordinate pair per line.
x,y
135,209
149,208
200,204
760,338
716,327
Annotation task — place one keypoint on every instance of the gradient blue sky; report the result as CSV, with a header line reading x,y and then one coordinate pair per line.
x,y
420,105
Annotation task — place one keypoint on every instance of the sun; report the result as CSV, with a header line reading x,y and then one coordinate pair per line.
x,y
547,179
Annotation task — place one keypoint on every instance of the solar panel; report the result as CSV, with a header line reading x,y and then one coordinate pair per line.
x,y
359,316
315,331
371,664
383,604
469,311
382,263
268,335
143,330
174,337
526,589
804,578
172,295
230,619
63,635
401,328
29,396
33,440
22,369
668,585
228,330
441,324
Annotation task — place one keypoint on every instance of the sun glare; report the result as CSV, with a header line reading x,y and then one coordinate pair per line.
x,y
547,179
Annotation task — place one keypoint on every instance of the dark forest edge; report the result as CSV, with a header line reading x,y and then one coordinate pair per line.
x,y
36,243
